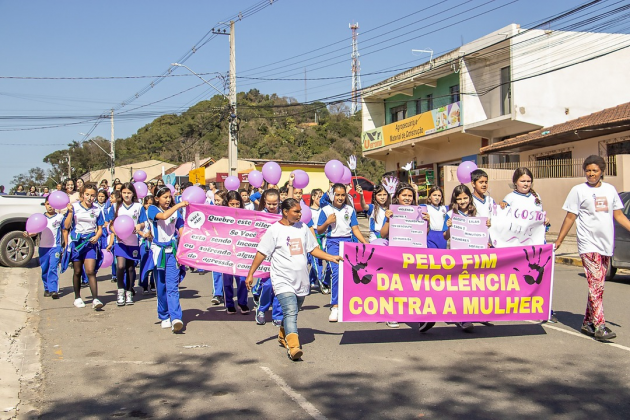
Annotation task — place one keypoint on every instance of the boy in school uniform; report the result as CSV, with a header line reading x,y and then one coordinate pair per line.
x,y
482,201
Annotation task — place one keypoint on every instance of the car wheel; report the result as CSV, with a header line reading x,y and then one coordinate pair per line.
x,y
610,274
425,326
16,250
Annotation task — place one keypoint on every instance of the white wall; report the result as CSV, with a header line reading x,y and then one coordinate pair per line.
x,y
574,91
372,114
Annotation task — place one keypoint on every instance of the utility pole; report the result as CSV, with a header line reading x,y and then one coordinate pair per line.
x,y
113,155
233,129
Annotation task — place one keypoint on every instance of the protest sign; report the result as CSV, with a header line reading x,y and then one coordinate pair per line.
x,y
377,284
223,239
469,232
407,227
512,226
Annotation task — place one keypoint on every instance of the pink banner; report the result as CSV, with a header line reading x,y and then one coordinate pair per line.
x,y
223,239
379,284
469,232
407,227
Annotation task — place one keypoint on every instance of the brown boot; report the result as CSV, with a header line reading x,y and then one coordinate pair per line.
x,y
293,347
282,338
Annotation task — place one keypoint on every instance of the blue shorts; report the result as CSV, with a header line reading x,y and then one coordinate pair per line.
x,y
88,252
127,251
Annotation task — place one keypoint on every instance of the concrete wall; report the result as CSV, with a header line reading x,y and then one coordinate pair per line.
x,y
553,191
574,91
372,114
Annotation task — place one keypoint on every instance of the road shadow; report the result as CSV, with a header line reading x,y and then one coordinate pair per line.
x,y
440,332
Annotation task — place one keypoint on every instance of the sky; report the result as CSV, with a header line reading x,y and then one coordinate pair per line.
x,y
86,39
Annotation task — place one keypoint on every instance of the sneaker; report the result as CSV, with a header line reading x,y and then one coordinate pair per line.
x,y
177,325
325,290
166,323
96,304
79,303
392,324
231,310
553,318
215,300
120,300
603,333
244,309
588,329
114,280
145,291
425,326
129,297
54,295
466,326
83,285
152,289
260,318
256,300
277,322
334,314
46,293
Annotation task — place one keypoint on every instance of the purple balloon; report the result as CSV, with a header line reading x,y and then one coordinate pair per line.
x,y
463,171
347,176
272,172
141,189
172,188
255,179
139,176
194,195
307,214
108,259
124,226
58,200
334,171
36,223
301,179
380,241
232,183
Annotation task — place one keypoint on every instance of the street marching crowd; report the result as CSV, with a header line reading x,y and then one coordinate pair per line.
x,y
136,225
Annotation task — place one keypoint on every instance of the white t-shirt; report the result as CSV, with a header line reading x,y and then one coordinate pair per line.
x,y
288,247
163,230
346,218
523,201
250,206
51,235
134,212
86,220
437,217
377,220
485,207
594,208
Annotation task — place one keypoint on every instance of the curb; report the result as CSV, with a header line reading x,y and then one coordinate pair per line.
x,y
577,262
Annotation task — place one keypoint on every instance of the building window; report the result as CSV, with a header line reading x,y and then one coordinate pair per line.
x,y
506,91
399,113
430,102
419,106
454,90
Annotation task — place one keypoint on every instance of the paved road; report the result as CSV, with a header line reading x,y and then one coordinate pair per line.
x,y
119,363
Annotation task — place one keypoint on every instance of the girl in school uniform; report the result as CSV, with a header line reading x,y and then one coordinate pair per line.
x,y
287,242
114,197
437,213
50,249
147,281
166,221
338,221
127,249
316,275
234,200
85,222
218,199
263,291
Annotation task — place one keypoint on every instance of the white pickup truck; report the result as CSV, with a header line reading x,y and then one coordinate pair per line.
x,y
15,249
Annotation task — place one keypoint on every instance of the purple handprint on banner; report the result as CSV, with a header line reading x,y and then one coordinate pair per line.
x,y
360,271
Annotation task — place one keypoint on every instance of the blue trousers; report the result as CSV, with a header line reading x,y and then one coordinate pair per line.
x,y
228,290
291,304
49,261
268,299
144,256
317,270
332,247
167,282
217,281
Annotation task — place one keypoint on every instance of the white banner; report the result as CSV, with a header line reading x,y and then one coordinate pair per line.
x,y
517,227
